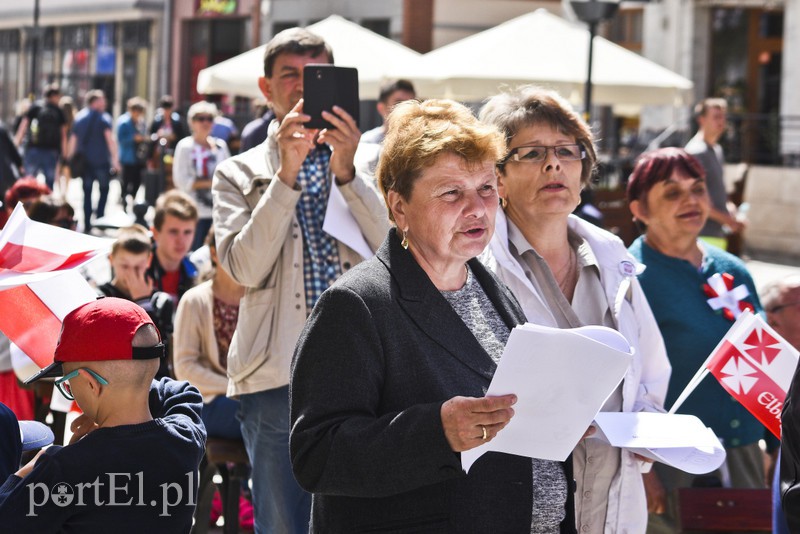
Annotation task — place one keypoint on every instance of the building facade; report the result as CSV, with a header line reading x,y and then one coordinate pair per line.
x,y
206,32
743,51
418,24
112,45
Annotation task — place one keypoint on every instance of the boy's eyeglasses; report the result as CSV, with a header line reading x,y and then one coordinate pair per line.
x,y
63,383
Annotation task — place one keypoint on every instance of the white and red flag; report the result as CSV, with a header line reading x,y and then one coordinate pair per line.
x,y
755,365
40,283
28,247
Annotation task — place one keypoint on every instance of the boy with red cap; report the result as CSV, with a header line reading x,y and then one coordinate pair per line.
x,y
132,463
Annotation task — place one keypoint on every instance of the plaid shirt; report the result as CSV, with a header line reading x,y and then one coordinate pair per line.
x,y
321,252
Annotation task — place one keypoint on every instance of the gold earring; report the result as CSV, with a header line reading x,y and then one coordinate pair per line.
x,y
503,202
404,242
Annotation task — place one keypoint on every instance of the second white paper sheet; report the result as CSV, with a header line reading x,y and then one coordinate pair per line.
x,y
679,440
341,224
561,378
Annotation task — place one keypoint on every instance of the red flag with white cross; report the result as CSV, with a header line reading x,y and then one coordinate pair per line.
x,y
40,282
755,365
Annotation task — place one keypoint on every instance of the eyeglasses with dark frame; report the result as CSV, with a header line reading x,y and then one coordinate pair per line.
x,y
63,383
537,153
203,118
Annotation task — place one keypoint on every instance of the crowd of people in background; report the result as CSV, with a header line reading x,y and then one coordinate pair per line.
x,y
353,382
53,138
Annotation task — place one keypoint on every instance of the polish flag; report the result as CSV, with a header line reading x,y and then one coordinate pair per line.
x,y
32,247
32,313
755,365
40,282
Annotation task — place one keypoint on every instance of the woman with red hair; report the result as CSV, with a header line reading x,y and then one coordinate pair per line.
x,y
24,190
668,197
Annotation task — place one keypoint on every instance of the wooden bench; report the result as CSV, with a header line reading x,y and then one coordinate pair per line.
x,y
725,509
228,458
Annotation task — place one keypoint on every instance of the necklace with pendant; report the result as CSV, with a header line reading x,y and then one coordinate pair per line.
x,y
566,275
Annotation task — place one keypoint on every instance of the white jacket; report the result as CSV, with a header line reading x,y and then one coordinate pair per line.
x,y
645,384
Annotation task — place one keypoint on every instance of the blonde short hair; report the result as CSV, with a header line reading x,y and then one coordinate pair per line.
x,y
419,132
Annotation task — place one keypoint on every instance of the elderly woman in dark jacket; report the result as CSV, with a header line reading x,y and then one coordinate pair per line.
x,y
389,375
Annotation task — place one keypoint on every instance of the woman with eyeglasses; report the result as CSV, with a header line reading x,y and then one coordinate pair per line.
x,y
194,162
567,273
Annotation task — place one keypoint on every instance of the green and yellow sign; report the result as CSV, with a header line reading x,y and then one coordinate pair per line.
x,y
216,7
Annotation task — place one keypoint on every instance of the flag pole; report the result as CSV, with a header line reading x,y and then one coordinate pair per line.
x,y
690,387
703,370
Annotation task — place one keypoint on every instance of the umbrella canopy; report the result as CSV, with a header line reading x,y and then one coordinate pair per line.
x,y
375,57
545,49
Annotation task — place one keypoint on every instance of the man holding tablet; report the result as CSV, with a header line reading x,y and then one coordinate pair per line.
x,y
269,209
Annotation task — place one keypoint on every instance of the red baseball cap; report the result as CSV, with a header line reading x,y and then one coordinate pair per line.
x,y
100,330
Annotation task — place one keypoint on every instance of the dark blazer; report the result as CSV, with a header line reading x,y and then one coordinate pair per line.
x,y
790,455
380,354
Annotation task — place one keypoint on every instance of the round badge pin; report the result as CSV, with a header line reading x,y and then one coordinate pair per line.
x,y
627,268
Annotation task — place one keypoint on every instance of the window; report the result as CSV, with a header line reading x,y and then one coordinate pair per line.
x,y
76,36
48,41
771,24
226,39
9,40
210,41
745,68
626,28
9,73
76,44
47,55
136,52
136,34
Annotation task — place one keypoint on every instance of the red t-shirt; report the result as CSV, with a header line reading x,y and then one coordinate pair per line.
x,y
169,283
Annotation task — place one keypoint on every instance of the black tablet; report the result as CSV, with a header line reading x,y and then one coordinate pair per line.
x,y
325,86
